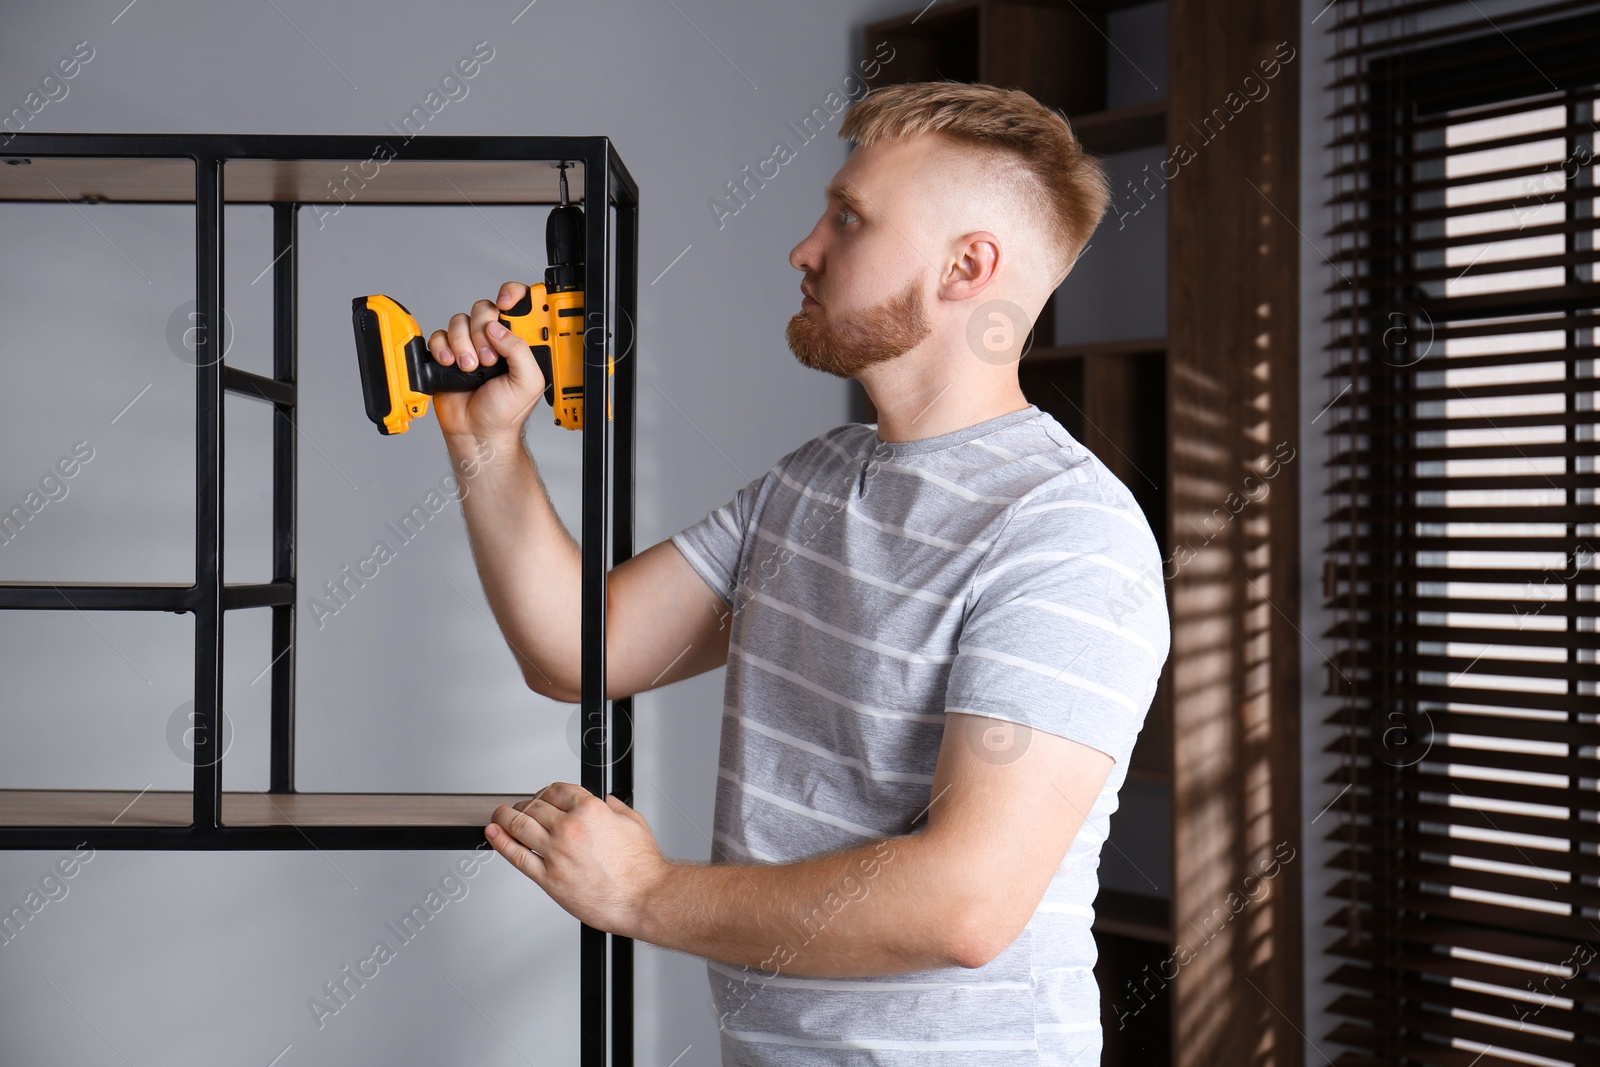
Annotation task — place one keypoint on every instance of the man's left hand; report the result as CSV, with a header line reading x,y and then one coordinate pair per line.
x,y
596,858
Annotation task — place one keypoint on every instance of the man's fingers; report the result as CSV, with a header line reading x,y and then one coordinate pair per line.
x,y
510,293
439,345
461,342
565,795
519,359
621,807
522,858
483,313
522,805
532,828
465,343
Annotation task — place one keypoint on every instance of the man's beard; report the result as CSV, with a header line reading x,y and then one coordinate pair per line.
x,y
873,336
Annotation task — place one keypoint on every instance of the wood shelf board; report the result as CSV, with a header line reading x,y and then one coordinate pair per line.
x,y
1150,775
1113,5
305,181
175,808
1135,915
1120,129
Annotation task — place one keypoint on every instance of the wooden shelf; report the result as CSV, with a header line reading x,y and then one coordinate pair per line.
x,y
1135,915
163,820
315,181
1151,775
1121,129
89,808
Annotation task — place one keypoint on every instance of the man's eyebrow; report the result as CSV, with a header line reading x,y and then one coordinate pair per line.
x,y
846,194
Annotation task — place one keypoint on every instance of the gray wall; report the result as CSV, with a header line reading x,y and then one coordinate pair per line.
x,y
205,958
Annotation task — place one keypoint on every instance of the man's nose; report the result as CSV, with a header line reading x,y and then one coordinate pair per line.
x,y
807,254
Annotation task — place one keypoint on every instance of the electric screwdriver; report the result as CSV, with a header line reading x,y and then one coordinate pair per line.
x,y
399,374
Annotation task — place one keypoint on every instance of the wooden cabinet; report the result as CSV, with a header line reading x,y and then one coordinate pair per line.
x,y
1178,370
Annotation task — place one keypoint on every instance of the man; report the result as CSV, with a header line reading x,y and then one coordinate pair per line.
x,y
941,632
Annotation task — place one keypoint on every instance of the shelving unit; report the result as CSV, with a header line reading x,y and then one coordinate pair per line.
x,y
288,172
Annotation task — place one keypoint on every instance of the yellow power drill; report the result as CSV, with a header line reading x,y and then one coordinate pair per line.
x,y
399,374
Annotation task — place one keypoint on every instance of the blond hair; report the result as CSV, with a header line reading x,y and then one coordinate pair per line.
x,y
1066,186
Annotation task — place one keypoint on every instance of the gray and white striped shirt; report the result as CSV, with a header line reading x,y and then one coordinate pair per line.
x,y
1000,570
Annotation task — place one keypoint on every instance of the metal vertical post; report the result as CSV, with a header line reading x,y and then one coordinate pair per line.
x,y
210,343
285,358
595,563
622,515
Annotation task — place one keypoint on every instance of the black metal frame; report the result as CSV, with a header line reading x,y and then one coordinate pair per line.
x,y
608,499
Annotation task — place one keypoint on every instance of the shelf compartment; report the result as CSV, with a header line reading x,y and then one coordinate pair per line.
x,y
1122,129
1135,915
78,808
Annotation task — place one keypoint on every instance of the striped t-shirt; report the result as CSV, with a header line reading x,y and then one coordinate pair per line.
x,y
1000,570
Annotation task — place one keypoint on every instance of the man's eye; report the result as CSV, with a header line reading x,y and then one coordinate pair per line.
x,y
844,216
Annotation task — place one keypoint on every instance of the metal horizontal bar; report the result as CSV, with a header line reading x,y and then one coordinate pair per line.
x,y
63,818
261,595
258,386
242,838
84,596
295,171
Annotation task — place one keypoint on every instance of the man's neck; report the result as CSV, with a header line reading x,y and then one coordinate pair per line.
x,y
912,407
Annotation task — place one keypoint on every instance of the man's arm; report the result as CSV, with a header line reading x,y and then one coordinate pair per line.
x,y
954,893
663,623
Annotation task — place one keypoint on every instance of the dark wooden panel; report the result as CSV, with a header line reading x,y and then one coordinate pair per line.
x,y
1111,397
1125,398
1135,1000
941,42
1055,54
1232,345
1056,387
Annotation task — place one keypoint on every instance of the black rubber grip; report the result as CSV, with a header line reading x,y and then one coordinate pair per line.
x,y
541,356
429,376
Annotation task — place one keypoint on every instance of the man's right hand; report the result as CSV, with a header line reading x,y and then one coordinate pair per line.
x,y
663,622
498,408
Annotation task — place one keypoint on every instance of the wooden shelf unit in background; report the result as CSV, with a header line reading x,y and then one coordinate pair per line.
x,y
1182,420
1111,396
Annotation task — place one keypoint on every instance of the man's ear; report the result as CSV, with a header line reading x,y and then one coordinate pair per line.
x,y
977,261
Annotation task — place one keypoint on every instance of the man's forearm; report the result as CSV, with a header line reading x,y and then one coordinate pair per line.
x,y
527,561
875,910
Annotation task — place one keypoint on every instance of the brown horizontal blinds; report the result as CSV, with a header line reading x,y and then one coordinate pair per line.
x,y
1462,567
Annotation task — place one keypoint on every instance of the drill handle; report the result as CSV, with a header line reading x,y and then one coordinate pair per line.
x,y
521,320
429,376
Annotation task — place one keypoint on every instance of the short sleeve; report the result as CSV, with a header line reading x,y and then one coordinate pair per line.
x,y
712,545
1066,626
